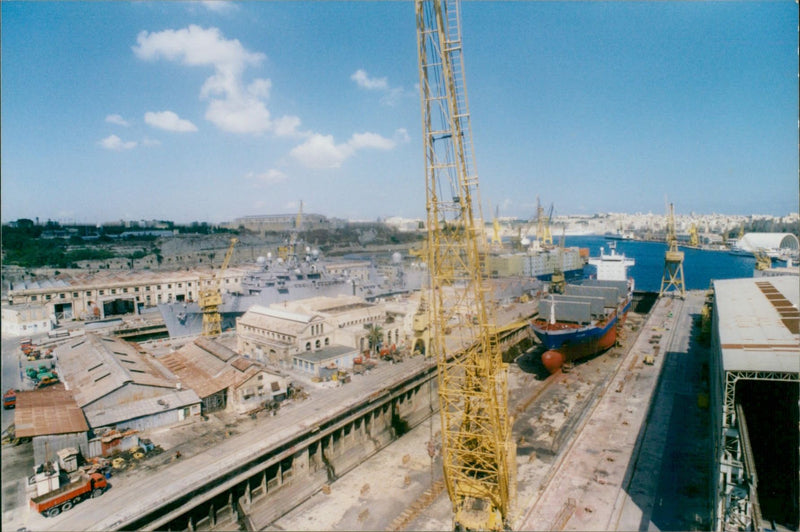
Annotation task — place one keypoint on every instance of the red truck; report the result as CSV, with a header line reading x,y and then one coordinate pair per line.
x,y
10,399
53,503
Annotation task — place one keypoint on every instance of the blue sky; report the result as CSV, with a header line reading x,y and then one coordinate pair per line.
x,y
208,111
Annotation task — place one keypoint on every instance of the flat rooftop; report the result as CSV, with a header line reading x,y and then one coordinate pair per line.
x,y
759,323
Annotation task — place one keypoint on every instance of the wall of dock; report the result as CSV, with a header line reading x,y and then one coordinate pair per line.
x,y
289,475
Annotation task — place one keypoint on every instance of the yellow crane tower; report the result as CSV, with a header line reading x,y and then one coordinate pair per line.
x,y
210,297
694,238
496,240
673,260
477,452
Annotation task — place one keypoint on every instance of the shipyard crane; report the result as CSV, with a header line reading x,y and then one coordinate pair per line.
x,y
673,260
210,297
496,240
694,238
477,452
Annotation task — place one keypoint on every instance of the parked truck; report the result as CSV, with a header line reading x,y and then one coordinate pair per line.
x,y
10,399
62,499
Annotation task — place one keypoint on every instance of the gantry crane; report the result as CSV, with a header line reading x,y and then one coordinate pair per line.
x,y
210,297
477,452
673,260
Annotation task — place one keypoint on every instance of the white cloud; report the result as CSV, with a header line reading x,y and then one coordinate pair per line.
x,y
233,106
270,177
370,140
391,95
260,88
286,126
401,136
320,151
363,80
168,121
219,6
246,115
113,142
117,119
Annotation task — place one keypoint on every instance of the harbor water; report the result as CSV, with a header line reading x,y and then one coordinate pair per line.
x,y
700,267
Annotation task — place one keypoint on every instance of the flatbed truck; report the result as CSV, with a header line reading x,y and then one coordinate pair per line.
x,y
62,499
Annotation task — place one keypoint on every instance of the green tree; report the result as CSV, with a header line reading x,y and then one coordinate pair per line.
x,y
374,336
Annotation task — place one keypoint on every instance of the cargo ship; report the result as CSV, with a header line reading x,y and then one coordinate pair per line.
x,y
583,320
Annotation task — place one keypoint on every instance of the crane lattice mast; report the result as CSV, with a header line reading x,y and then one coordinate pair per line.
x,y
478,456
673,260
210,299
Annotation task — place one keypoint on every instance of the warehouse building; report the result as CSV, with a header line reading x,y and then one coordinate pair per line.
x,y
768,241
118,387
755,362
86,296
278,333
222,378
53,420
25,320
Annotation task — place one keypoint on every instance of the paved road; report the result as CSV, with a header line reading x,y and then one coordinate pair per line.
x,y
668,489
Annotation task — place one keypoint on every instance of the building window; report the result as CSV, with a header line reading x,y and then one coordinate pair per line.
x,y
113,290
74,294
327,341
62,296
124,290
180,285
308,346
47,297
101,292
88,293
135,288
33,298
317,344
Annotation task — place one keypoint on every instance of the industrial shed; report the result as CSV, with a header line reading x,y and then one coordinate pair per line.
x,y
53,420
769,241
117,386
755,381
223,379
320,363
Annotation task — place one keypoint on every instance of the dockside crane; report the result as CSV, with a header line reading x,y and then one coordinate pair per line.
x,y
210,297
477,452
673,260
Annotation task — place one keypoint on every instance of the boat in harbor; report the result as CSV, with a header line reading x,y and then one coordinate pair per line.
x,y
584,319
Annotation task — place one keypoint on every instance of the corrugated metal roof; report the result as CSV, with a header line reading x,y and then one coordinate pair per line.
x,y
93,367
142,408
48,411
758,324
200,370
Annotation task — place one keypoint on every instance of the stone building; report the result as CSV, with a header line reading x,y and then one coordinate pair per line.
x,y
222,378
277,333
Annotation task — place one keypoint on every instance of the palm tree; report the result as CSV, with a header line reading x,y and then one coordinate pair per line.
x,y
374,336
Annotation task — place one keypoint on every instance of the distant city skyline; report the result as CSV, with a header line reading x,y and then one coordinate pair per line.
x,y
209,111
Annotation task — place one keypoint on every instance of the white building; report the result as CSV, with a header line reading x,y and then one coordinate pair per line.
x,y
26,320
